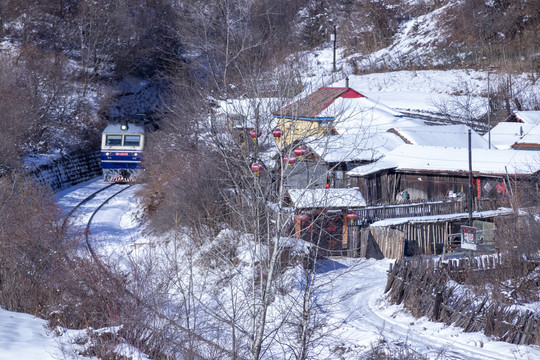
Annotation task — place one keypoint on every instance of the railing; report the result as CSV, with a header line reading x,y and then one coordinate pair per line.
x,y
375,213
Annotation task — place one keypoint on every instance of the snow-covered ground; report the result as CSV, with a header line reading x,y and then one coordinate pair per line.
x,y
24,337
354,287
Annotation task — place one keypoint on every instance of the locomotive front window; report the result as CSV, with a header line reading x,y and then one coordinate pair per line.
x,y
113,140
132,140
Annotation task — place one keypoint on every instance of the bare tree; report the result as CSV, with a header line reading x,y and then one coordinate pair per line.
x,y
17,122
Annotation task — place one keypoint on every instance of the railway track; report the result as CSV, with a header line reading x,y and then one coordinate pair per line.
x,y
84,201
121,285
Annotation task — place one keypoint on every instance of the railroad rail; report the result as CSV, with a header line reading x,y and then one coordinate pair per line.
x,y
121,284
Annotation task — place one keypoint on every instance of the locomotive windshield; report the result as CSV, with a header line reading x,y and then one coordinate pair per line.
x,y
123,140
113,140
132,140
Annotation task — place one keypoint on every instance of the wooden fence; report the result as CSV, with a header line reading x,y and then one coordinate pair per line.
x,y
421,285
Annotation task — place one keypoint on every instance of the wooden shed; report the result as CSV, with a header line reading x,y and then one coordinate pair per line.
x,y
327,218
399,237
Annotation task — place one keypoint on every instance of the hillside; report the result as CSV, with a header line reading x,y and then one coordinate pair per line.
x,y
82,74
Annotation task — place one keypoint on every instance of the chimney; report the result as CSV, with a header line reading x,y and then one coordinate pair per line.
x,y
347,82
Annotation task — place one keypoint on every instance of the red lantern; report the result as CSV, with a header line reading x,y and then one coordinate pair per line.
x,y
289,159
352,216
302,217
277,133
300,151
257,168
255,134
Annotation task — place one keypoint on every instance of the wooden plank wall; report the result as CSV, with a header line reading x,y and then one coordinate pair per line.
x,y
412,238
391,242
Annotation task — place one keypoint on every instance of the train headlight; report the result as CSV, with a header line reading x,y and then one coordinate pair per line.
x,y
107,154
135,154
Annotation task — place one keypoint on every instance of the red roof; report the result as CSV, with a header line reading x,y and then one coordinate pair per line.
x,y
313,104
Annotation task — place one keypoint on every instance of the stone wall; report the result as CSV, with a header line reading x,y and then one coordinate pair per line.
x,y
69,170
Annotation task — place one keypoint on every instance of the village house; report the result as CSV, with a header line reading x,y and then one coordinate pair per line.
x,y
440,135
520,131
328,158
529,141
428,173
335,111
327,218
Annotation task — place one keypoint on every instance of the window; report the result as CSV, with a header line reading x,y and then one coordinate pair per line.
x,y
132,140
113,140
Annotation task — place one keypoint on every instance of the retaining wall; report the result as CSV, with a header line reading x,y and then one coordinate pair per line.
x,y
69,170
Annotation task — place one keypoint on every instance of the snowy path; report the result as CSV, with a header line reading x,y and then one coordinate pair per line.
x,y
375,319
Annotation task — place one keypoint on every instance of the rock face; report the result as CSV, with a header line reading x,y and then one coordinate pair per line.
x,y
69,170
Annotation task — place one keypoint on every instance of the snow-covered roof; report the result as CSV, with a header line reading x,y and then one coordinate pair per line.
x,y
346,148
116,128
349,111
246,112
453,160
506,134
311,106
441,135
530,141
359,115
528,117
326,198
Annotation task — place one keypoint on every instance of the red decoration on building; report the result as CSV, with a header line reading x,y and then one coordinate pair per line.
x,y
255,134
352,216
289,159
300,151
277,133
257,168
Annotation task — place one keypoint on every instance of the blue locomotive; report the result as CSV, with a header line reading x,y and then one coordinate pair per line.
x,y
121,151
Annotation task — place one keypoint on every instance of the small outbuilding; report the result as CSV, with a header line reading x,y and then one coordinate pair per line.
x,y
327,218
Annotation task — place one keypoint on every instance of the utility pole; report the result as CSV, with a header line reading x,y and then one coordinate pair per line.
x,y
490,68
333,37
470,181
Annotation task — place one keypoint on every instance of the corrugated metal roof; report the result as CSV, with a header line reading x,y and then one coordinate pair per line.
x,y
440,135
